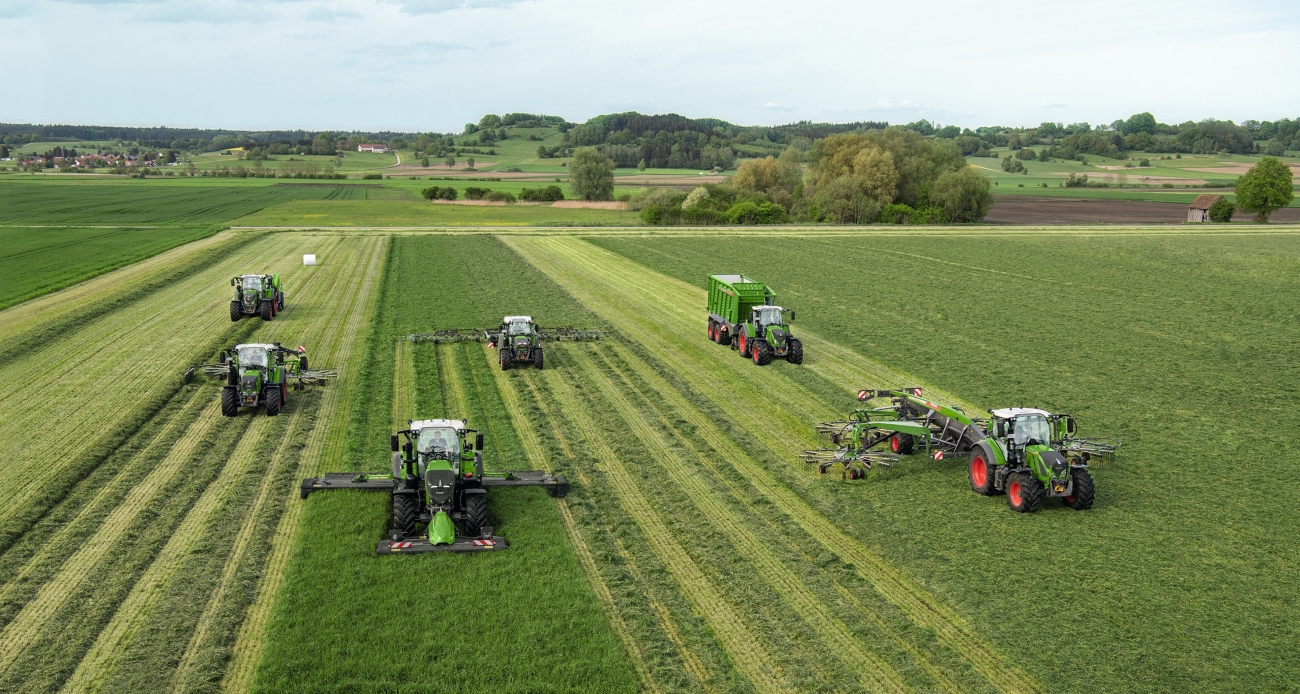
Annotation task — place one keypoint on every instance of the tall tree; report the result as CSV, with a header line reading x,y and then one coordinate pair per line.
x,y
1265,188
591,175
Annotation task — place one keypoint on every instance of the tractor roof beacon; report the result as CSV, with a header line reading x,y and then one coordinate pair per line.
x,y
256,295
438,488
1028,453
743,314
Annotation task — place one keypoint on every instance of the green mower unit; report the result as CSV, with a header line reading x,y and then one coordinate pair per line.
x,y
261,375
256,295
438,488
743,314
1027,453
518,340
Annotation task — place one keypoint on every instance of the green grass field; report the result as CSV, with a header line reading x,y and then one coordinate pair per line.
x,y
323,213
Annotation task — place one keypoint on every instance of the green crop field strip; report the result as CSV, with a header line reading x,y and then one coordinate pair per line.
x,y
148,543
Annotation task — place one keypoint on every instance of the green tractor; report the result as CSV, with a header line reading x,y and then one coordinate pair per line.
x,y
1027,453
438,489
744,315
260,375
256,295
517,341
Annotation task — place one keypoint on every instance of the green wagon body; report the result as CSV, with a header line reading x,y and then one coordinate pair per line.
x,y
732,296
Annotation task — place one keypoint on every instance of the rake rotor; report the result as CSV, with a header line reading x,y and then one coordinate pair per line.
x,y
855,463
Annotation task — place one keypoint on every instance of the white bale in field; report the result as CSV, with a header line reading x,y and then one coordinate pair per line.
x,y
309,259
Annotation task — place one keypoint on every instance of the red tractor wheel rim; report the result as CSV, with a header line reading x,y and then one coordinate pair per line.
x,y
755,353
742,343
710,332
1013,493
979,472
1069,499
893,443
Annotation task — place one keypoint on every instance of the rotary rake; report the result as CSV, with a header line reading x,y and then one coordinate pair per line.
x,y
489,335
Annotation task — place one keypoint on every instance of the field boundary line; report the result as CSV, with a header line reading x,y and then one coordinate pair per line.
x,y
25,626
109,647
728,628
325,438
533,450
834,634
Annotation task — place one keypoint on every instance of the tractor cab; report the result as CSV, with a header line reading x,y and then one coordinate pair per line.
x,y
249,289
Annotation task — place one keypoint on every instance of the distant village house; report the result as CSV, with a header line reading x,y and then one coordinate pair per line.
x,y
1199,210
376,148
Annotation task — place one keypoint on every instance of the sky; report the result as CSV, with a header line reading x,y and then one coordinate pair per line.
x,y
434,65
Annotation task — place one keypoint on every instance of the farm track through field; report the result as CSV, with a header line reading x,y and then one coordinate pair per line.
x,y
537,457
666,317
348,313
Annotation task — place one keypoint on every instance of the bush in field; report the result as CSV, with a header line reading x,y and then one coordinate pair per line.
x,y
547,194
476,193
1011,165
436,193
897,213
1072,181
499,196
844,201
1221,211
1026,154
768,174
591,175
761,213
963,195
1265,188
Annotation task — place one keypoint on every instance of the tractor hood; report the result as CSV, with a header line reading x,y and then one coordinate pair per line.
x,y
250,382
440,483
776,335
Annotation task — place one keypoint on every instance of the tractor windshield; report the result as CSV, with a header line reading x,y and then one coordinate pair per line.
x,y
438,440
520,328
1031,427
252,283
250,357
769,316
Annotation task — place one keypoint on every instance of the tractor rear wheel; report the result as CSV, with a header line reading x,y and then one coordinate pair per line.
x,y
271,396
795,353
475,514
537,358
264,308
406,509
902,444
1024,492
236,311
980,472
1084,492
762,355
229,402
720,335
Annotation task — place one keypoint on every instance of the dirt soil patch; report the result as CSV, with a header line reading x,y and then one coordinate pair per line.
x,y
1237,168
1018,209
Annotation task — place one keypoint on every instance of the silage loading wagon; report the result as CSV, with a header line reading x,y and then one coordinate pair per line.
x,y
744,315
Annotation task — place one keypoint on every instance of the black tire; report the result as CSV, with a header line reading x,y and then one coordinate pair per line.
x,y
406,509
271,400
266,309
795,354
979,472
718,333
761,352
902,444
1024,492
713,336
505,356
302,363
281,302
229,402
236,311
537,358
1083,493
476,510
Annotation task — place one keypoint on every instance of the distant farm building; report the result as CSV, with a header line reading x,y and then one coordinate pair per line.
x,y
1199,210
372,148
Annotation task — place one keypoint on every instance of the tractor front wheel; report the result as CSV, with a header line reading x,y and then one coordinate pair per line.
x,y
1083,493
744,346
902,444
537,358
1024,492
271,396
505,356
475,514
229,402
762,355
236,311
795,353
264,308
980,472
406,509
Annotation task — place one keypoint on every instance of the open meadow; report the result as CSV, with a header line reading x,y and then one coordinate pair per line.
x,y
148,543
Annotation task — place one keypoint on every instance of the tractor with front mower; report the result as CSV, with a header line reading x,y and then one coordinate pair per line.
x,y
256,295
1027,453
261,375
438,489
518,340
743,314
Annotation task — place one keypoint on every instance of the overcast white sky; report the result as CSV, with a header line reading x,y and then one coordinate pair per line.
x,y
419,65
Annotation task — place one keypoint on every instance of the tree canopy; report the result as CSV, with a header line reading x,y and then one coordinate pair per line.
x,y
591,175
1265,188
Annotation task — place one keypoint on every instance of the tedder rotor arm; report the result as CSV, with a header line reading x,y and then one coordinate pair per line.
x,y
555,485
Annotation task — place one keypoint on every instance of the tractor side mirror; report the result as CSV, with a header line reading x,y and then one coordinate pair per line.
x,y
406,449
392,440
478,442
232,281
223,357
1002,429
792,316
1069,426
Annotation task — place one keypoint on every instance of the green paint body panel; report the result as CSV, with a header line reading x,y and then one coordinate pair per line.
x,y
732,296
441,530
